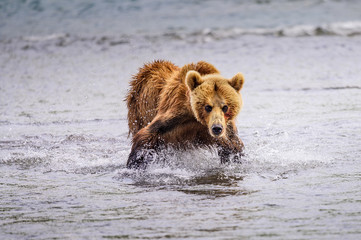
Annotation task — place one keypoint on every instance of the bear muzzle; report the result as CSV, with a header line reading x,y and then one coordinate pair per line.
x,y
217,129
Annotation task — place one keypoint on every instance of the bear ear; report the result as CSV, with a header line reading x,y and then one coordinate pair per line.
x,y
237,81
193,79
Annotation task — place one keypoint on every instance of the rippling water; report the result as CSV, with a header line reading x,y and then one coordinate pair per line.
x,y
64,136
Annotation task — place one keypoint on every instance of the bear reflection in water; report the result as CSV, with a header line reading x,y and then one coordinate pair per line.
x,y
188,107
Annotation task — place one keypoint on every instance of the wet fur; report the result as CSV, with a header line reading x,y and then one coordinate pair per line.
x,y
160,112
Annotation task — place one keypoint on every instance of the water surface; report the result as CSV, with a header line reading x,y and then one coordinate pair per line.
x,y
64,136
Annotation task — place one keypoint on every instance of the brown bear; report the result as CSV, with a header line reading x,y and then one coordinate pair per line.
x,y
192,106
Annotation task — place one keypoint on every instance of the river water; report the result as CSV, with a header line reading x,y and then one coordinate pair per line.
x,y
65,69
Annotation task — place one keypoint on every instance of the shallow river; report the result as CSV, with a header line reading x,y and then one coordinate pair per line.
x,y
64,140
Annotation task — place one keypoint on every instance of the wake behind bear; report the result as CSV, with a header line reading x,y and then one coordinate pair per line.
x,y
184,108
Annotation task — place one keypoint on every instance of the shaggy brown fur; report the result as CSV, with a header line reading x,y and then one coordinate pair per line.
x,y
168,106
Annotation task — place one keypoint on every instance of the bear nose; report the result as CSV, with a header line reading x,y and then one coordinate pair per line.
x,y
217,129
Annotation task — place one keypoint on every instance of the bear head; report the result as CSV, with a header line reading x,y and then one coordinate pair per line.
x,y
214,99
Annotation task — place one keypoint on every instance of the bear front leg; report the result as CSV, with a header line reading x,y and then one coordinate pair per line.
x,y
143,150
227,155
147,141
232,146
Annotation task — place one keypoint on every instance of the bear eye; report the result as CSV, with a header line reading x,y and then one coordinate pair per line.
x,y
208,108
225,108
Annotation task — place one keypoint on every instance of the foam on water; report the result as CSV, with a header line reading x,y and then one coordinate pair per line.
x,y
270,154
